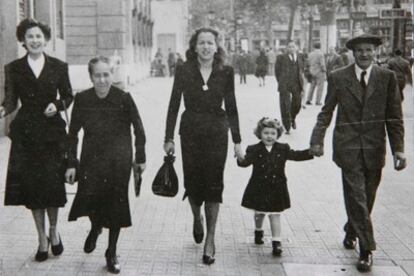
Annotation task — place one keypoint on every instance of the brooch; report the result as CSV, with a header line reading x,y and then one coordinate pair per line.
x,y
205,87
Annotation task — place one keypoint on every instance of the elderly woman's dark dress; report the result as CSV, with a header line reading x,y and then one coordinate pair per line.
x,y
106,156
204,127
35,176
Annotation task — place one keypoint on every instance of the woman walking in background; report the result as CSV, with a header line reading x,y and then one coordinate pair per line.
x,y
105,113
204,83
35,175
262,63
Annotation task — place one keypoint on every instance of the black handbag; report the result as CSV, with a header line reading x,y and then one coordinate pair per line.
x,y
166,181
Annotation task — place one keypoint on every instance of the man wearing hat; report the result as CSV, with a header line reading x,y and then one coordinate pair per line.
x,y
369,105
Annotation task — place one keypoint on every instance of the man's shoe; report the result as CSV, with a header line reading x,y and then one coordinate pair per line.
x,y
293,124
90,242
308,103
318,103
365,262
349,242
258,237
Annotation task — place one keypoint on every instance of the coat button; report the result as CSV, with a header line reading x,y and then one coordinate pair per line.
x,y
262,166
260,155
274,176
265,176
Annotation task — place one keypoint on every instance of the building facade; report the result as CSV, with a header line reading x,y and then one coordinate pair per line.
x,y
170,26
119,29
51,12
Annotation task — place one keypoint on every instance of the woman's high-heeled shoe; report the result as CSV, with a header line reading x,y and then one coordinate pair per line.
x,y
58,249
198,235
42,256
112,263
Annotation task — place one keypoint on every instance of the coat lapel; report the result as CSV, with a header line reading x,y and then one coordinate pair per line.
x,y
352,83
48,69
25,69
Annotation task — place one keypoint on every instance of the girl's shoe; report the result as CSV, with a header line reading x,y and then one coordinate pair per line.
x,y
112,263
208,260
258,237
277,250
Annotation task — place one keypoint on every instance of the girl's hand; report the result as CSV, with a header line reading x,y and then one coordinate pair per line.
x,y
238,152
70,175
2,112
50,110
169,147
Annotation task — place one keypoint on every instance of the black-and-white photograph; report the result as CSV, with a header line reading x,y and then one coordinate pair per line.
x,y
206,137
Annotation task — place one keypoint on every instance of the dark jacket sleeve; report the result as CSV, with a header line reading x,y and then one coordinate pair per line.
x,y
298,155
325,116
174,104
11,96
278,67
231,107
65,89
75,125
248,158
394,118
138,129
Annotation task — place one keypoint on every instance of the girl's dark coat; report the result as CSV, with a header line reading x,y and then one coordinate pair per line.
x,y
267,189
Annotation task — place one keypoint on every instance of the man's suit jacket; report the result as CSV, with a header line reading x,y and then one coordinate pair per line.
x,y
316,60
35,94
402,70
361,121
284,71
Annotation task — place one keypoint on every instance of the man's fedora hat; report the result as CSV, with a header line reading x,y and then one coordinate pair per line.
x,y
364,38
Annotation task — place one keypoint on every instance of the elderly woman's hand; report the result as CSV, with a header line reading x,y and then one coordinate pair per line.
x,y
169,147
70,175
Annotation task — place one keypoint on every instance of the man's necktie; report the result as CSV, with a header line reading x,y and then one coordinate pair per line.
x,y
362,80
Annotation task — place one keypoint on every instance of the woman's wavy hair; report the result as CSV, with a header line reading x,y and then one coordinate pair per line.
x,y
29,23
191,54
268,122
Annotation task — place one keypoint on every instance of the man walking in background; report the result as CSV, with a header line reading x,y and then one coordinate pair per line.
x,y
289,69
402,70
316,61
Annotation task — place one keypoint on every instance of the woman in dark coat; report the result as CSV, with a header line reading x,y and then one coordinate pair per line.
x,y
261,67
105,113
35,175
204,83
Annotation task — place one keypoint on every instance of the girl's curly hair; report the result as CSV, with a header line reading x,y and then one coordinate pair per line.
x,y
268,122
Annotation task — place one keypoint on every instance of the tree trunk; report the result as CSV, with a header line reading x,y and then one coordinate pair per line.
x,y
293,6
328,30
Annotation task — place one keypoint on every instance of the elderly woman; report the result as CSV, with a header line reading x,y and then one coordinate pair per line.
x,y
35,176
204,83
105,113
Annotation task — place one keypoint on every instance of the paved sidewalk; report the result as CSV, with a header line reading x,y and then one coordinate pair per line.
x,y
160,241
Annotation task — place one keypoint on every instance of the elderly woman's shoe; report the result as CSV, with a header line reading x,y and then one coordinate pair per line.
x,y
112,263
208,260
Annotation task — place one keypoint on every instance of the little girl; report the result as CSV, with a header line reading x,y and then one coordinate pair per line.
x,y
267,191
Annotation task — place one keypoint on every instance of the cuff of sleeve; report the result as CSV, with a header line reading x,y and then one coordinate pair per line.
x,y
58,104
140,155
236,139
